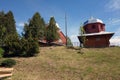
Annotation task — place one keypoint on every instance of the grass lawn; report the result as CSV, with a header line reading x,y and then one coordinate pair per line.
x,y
59,63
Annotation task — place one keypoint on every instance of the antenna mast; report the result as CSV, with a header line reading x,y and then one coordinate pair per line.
x,y
66,28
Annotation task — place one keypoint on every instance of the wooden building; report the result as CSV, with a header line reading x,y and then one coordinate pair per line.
x,y
95,34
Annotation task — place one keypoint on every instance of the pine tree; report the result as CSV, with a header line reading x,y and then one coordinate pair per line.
x,y
37,26
42,31
2,18
33,31
2,13
27,31
8,32
15,45
51,31
7,25
10,23
2,34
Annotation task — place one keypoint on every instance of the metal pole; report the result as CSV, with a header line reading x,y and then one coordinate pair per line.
x,y
66,28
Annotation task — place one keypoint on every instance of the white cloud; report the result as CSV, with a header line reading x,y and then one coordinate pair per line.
x,y
113,5
19,27
113,24
113,21
115,41
75,40
20,24
118,32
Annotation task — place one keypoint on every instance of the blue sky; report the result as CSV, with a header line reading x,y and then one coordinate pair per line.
x,y
78,11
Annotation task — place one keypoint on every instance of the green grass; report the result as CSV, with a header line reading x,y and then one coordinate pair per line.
x,y
60,63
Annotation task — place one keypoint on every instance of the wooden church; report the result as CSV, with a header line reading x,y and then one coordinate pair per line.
x,y
95,34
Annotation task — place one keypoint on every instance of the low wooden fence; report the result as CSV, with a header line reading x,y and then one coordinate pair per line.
x,y
5,73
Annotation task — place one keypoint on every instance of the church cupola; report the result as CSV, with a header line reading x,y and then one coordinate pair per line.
x,y
93,25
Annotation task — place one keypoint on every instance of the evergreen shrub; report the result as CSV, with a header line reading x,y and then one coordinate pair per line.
x,y
8,63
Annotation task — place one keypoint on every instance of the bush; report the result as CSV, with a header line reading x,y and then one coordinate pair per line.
x,y
1,52
21,47
8,63
11,45
30,48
